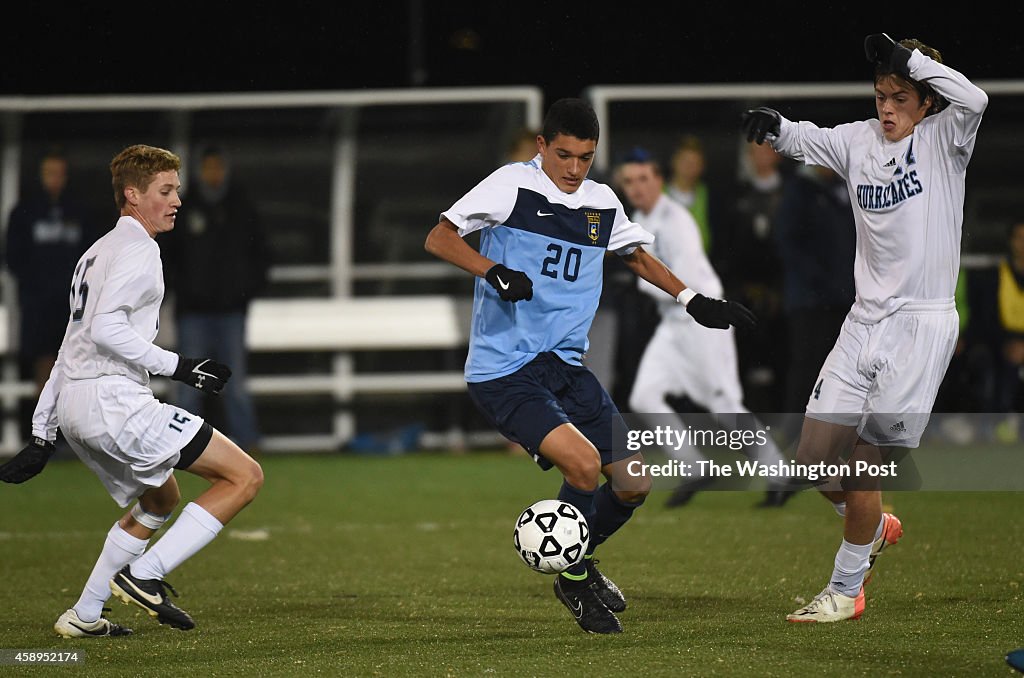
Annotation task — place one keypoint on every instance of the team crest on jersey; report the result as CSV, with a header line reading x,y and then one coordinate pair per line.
x,y
594,226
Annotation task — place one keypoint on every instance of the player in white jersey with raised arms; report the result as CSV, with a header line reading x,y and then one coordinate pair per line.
x,y
98,395
906,174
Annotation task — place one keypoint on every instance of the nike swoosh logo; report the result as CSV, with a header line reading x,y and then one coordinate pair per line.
x,y
502,283
92,632
148,597
545,214
577,610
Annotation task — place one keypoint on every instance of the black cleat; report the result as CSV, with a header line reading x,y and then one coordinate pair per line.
x,y
586,607
685,490
776,498
151,596
606,589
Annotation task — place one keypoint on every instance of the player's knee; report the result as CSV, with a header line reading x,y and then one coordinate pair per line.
x,y
636,492
250,479
583,470
810,452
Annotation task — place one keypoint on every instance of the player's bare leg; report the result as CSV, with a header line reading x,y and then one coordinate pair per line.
x,y
866,530
235,479
573,455
125,542
580,465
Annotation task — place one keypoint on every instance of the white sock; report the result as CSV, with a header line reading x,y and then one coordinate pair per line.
x,y
840,507
878,532
850,566
194,529
119,549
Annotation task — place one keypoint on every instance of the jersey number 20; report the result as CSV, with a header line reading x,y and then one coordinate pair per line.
x,y
571,268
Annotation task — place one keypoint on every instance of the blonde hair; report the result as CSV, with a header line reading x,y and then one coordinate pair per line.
x,y
136,166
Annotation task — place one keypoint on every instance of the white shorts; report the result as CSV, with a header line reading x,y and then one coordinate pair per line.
x,y
883,377
123,433
686,358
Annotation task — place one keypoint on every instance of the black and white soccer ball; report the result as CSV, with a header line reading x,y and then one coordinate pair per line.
x,y
551,536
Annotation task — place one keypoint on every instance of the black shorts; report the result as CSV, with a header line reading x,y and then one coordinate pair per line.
x,y
542,395
195,447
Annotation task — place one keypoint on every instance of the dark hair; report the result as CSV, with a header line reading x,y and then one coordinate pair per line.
x,y
641,156
54,152
209,150
572,117
923,89
689,142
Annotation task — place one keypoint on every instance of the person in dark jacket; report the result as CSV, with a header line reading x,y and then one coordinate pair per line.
x,y
216,262
816,241
46,233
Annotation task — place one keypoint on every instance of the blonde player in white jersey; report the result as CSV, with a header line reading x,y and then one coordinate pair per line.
x,y
906,174
98,395
683,357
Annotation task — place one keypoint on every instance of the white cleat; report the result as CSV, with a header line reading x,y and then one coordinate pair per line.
x,y
830,606
69,625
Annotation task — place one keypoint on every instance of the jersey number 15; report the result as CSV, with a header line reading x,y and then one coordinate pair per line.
x,y
80,290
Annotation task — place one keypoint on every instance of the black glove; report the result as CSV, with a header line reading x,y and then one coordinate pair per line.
x,y
202,373
882,50
28,463
719,314
511,285
760,122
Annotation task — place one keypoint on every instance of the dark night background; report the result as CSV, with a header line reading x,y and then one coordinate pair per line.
x,y
561,47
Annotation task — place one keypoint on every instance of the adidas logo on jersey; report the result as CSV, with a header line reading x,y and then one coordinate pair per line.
x,y
898,427
891,163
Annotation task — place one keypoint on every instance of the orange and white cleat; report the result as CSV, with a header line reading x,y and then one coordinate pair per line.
x,y
830,606
892,530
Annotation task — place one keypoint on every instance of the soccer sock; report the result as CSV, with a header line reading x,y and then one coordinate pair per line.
x,y
194,529
610,513
840,507
584,503
119,549
878,531
850,566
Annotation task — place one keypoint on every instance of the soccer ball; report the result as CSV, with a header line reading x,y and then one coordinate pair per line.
x,y
551,536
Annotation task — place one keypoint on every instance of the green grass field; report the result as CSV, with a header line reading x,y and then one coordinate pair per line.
x,y
404,566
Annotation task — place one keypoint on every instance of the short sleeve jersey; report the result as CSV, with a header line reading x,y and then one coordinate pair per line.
x,y
559,240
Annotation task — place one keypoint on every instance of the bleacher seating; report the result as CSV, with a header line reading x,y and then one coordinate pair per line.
x,y
333,325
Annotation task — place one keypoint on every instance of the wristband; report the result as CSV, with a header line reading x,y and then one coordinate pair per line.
x,y
685,296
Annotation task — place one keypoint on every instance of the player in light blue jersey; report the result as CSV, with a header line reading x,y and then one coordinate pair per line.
x,y
545,230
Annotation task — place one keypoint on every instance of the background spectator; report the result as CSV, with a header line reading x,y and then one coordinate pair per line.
x,y
216,262
745,254
687,185
817,241
46,234
995,336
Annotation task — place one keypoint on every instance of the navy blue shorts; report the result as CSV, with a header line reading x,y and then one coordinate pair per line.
x,y
542,395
